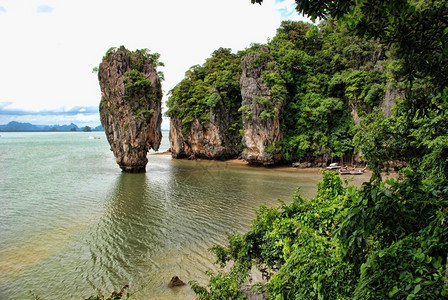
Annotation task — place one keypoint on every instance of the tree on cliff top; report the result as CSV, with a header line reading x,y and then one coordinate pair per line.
x,y
418,30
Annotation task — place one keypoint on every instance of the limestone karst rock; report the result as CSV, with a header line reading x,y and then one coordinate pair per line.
x,y
203,109
391,93
260,132
130,107
211,140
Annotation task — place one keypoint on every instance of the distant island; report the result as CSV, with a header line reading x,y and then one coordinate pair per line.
x,y
15,126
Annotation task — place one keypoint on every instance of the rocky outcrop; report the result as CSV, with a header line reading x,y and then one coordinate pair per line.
x,y
260,113
212,140
391,93
175,281
130,107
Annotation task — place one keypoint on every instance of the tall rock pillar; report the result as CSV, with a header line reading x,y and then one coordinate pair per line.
x,y
130,107
260,112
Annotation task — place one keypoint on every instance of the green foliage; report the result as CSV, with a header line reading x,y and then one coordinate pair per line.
x,y
387,239
136,84
137,61
383,240
261,56
271,149
276,84
140,56
314,270
213,99
322,126
110,51
364,88
246,112
395,233
292,246
316,76
417,138
214,86
222,286
414,33
321,73
264,115
422,276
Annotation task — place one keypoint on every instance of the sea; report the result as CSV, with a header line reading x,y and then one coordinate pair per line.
x,y
72,225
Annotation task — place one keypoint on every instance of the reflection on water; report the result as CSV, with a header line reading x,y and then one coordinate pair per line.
x,y
161,224
84,226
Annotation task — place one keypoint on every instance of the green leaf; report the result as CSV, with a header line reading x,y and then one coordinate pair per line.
x,y
393,292
418,279
420,257
417,288
437,263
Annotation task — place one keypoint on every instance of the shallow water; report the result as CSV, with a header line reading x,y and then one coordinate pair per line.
x,y
72,223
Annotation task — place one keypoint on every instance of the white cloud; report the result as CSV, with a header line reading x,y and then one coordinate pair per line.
x,y
47,58
44,9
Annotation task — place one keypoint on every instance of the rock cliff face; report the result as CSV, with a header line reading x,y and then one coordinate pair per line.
x,y
211,140
261,131
130,107
391,93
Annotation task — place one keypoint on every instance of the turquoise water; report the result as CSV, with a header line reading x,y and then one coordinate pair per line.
x,y
72,223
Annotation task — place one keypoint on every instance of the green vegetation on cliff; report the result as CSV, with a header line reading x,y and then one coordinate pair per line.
x,y
387,239
321,76
204,87
137,86
329,76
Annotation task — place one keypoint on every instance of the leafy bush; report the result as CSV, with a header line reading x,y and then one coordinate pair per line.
x,y
386,240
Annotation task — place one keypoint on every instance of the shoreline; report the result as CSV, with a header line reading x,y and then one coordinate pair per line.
x,y
284,168
352,179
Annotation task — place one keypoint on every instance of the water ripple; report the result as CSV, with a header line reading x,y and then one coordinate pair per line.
x,y
72,223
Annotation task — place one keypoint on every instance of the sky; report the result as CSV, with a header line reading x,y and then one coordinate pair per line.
x,y
50,47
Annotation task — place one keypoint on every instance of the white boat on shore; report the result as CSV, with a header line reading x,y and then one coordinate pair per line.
x,y
333,166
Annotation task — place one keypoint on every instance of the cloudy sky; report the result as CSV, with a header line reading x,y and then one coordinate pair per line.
x,y
49,47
